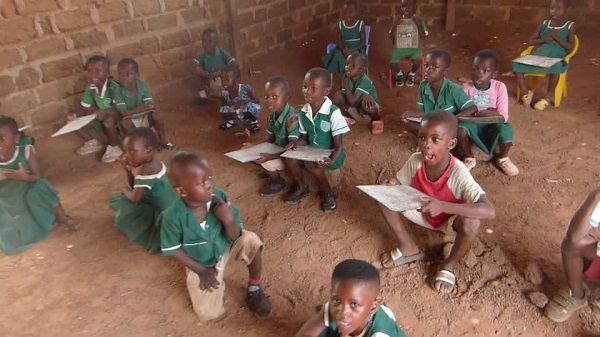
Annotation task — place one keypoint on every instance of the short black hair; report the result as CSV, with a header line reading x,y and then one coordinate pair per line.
x,y
488,54
130,63
351,3
98,59
234,69
281,81
355,270
442,118
10,123
320,73
147,134
209,31
444,55
188,157
361,57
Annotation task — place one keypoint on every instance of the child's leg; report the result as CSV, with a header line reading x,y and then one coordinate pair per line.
x,y
552,83
110,124
372,110
521,82
230,115
416,65
276,183
329,203
127,125
251,114
301,189
573,255
156,121
64,220
340,101
406,244
464,143
85,133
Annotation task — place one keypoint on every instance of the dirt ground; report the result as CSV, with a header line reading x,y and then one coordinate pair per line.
x,y
95,283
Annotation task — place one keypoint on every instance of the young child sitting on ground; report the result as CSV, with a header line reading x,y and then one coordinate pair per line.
x,y
148,191
322,126
407,45
354,308
456,204
240,105
579,248
491,98
358,93
209,64
352,39
202,230
100,97
29,205
282,128
555,38
138,100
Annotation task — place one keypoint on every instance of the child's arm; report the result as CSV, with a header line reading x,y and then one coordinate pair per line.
x,y
340,43
198,70
423,33
352,99
392,31
313,327
580,223
252,96
208,276
338,146
363,40
536,38
34,169
482,209
568,44
224,212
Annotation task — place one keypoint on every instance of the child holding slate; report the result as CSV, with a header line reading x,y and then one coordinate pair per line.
x,y
456,203
322,126
240,105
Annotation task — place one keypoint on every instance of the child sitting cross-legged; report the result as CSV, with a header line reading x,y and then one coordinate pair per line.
x,y
202,230
455,203
240,105
358,93
148,194
354,307
322,126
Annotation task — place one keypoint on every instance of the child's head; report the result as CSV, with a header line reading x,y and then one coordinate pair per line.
x,y
484,68
9,137
277,93
356,65
140,145
210,40
230,76
350,11
408,7
98,70
559,8
316,85
128,71
437,63
191,177
354,295
437,136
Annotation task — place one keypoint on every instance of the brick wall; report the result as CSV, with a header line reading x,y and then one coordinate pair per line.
x,y
44,44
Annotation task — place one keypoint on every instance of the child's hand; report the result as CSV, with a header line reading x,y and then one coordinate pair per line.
x,y
549,38
325,162
208,279
346,52
391,182
292,146
432,207
246,145
125,163
346,81
100,114
369,102
265,157
148,107
70,117
18,175
223,211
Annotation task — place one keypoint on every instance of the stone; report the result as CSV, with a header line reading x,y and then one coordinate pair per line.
x,y
162,22
7,9
18,29
33,6
57,90
130,50
172,5
42,48
49,113
538,299
478,248
58,69
128,28
90,38
73,19
470,260
534,273
7,86
149,45
10,57
18,102
28,78
173,40
145,7
113,11
498,256
194,14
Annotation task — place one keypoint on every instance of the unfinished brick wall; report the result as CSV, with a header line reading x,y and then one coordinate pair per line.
x,y
44,44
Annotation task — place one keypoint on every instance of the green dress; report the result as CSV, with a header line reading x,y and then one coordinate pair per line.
x,y
553,49
27,211
335,61
138,221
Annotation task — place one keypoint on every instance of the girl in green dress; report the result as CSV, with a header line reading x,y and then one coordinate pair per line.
x,y
29,205
148,194
352,39
555,38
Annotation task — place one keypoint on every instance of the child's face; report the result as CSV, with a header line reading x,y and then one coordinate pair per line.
x,y
97,73
354,67
127,76
482,72
209,42
408,7
435,68
352,304
275,97
193,182
229,80
137,152
349,13
8,143
314,89
435,142
558,9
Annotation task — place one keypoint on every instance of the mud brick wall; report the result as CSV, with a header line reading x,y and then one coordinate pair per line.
x,y
44,44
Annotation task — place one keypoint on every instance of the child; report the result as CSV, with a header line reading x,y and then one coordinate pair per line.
x,y
555,38
407,44
354,308
29,205
100,97
282,128
358,92
322,126
148,194
138,100
240,105
491,98
202,230
456,204
579,248
352,39
209,64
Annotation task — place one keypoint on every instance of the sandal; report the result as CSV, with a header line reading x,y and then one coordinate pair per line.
x,y
329,203
542,104
227,125
254,127
564,305
297,195
470,162
168,146
444,277
527,98
507,167
395,258
377,127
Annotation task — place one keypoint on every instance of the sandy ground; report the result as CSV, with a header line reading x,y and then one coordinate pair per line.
x,y
95,283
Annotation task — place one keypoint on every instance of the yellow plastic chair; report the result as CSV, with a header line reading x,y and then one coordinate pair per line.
x,y
561,87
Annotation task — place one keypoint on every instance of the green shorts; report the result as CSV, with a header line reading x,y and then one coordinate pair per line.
x,y
402,54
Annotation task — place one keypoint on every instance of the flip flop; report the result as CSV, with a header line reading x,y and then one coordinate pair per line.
x,y
563,306
542,104
395,258
527,98
444,277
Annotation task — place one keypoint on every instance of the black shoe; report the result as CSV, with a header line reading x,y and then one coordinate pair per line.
x,y
254,127
258,303
297,195
201,101
400,80
410,80
275,187
329,203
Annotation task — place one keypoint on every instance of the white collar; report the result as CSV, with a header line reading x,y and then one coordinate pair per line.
x,y
325,108
104,87
161,173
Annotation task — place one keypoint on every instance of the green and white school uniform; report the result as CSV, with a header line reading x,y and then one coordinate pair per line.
x,y
139,221
364,86
144,96
322,126
107,98
27,211
283,128
451,98
335,62
382,324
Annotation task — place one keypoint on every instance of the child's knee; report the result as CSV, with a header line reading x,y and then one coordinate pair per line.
x,y
462,133
468,227
127,125
110,121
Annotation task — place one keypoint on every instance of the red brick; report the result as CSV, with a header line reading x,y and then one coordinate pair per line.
x,y
265,42
73,19
489,13
463,12
162,22
256,31
18,29
113,11
284,35
90,38
316,24
10,57
45,24
322,8
7,9
179,70
476,2
128,28
273,25
173,40
521,14
194,14
7,86
338,3
34,6
300,31
245,19
505,2
306,14
170,57
149,45
45,48
597,4
145,7
171,5
28,78
56,90
435,10
248,48
379,10
243,4
58,69
130,50
296,4
276,10
18,102
48,114
196,33
260,15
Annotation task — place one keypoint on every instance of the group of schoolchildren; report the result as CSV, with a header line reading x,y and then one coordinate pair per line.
x,y
178,210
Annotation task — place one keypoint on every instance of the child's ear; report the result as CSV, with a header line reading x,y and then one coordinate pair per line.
x,y
495,74
452,143
19,135
180,192
327,91
375,305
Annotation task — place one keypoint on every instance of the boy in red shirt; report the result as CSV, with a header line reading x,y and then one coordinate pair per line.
x,y
456,204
